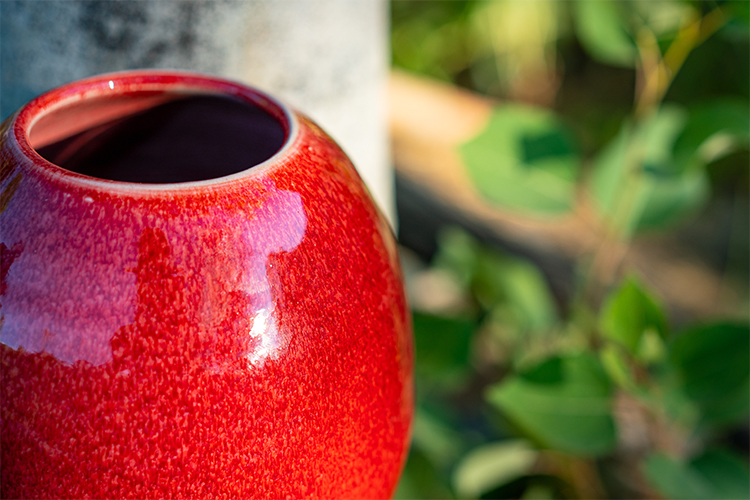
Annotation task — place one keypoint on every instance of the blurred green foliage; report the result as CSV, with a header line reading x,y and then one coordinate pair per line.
x,y
524,159
629,316
642,108
563,403
714,366
715,474
512,395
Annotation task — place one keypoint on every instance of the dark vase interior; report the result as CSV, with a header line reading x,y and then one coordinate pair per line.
x,y
190,138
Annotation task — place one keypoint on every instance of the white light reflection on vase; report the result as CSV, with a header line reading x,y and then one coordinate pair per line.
x,y
277,226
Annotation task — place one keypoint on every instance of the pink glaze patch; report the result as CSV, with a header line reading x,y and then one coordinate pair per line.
x,y
245,337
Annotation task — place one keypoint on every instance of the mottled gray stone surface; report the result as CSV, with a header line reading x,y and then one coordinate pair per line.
x,y
327,58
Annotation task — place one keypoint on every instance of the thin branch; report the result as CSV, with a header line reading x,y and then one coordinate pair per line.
x,y
657,72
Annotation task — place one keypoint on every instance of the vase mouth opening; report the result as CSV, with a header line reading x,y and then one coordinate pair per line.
x,y
154,130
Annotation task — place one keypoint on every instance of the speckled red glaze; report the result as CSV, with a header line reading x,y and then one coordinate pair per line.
x,y
241,337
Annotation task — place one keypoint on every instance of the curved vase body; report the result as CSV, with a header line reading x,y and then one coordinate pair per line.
x,y
243,336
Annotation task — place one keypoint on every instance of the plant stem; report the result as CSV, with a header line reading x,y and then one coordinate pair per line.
x,y
656,72
659,72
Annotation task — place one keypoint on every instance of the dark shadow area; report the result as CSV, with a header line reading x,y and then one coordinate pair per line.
x,y
190,139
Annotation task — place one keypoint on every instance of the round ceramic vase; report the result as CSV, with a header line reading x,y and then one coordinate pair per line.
x,y
198,298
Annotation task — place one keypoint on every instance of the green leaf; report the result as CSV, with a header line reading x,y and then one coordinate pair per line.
x,y
737,26
637,183
442,346
665,17
677,406
458,253
492,465
617,367
563,403
515,285
436,438
611,167
674,479
524,160
715,474
714,129
671,199
421,479
519,285
600,29
714,365
651,348
538,492
726,472
628,313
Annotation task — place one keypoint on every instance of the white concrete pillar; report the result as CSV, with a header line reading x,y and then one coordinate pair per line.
x,y
327,58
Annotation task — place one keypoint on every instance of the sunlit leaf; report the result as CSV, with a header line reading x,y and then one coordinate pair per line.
x,y
429,37
563,403
617,368
600,27
663,17
524,160
539,492
651,349
491,465
714,363
637,183
628,313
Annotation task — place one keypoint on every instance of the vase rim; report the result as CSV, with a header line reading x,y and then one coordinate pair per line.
x,y
148,80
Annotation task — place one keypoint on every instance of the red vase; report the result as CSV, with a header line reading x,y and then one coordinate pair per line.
x,y
197,298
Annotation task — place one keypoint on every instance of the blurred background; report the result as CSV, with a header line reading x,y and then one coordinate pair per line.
x,y
572,191
571,184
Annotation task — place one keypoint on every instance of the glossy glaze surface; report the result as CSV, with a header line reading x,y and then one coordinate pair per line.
x,y
240,337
